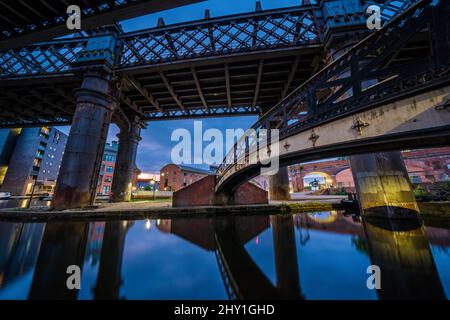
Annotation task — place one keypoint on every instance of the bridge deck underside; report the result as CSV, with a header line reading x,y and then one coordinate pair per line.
x,y
26,21
240,85
415,122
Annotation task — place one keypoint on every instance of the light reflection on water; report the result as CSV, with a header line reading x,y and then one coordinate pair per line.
x,y
321,255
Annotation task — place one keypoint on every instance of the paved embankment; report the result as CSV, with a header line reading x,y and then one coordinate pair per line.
x,y
163,209
148,209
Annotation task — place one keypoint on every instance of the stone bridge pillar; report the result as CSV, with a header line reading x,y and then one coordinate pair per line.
x,y
279,185
126,163
78,177
383,185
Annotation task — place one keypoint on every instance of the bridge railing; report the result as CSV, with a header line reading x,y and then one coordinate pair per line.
x,y
359,79
54,57
390,8
288,27
295,26
224,35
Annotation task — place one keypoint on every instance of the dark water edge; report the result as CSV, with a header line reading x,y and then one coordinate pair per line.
x,y
317,255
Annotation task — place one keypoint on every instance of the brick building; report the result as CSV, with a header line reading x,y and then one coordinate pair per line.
x,y
147,180
106,175
175,177
424,166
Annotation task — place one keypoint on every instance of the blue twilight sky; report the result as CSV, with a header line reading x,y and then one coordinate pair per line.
x,y
155,147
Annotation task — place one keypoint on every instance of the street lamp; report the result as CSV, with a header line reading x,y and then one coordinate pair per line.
x,y
32,193
153,184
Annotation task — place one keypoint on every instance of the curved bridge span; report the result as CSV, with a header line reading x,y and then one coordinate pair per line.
x,y
362,102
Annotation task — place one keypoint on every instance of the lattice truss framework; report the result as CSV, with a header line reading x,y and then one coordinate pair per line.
x,y
190,90
23,21
282,28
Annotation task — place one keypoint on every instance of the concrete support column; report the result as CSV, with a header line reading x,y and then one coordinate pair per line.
x,y
279,182
78,177
383,185
279,185
125,168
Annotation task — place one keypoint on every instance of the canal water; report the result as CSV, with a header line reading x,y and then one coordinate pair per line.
x,y
320,255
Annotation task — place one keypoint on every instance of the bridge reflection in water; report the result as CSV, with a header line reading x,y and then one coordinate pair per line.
x,y
318,255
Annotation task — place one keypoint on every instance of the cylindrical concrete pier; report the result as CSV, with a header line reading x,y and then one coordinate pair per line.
x,y
279,185
78,176
126,164
383,185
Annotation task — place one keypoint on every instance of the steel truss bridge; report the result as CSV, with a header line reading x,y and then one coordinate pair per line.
x,y
27,21
390,91
235,65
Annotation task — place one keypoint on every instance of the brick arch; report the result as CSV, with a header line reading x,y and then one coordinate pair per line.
x,y
331,168
330,180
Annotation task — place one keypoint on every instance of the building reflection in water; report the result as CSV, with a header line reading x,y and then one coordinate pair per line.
x,y
400,248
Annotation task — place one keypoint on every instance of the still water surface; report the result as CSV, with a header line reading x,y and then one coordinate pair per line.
x,y
322,255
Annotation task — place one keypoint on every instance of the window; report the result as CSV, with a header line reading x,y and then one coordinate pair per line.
x,y
44,132
415,179
108,179
109,169
110,158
